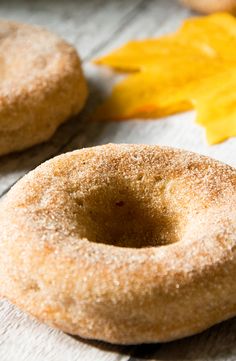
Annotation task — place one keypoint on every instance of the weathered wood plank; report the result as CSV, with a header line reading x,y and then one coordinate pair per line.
x,y
87,24
153,19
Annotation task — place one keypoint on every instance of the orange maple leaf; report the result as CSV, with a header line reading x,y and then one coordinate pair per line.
x,y
192,68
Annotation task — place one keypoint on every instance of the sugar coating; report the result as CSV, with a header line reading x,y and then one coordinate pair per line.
x,y
122,243
41,85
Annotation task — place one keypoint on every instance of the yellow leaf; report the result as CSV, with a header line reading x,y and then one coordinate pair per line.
x,y
216,106
193,68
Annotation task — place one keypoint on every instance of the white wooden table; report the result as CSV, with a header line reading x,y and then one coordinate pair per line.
x,y
94,27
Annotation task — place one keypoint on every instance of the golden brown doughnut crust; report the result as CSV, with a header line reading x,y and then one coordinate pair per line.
x,y
122,243
41,85
211,6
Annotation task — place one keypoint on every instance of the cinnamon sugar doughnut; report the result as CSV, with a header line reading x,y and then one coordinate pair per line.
x,y
122,243
211,6
41,85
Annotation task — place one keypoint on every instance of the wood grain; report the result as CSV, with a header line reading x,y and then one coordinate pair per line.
x,y
95,27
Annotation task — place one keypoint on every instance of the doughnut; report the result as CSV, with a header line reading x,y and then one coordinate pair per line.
x,y
41,85
122,243
211,6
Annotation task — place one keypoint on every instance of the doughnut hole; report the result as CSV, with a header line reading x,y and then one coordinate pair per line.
x,y
131,216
